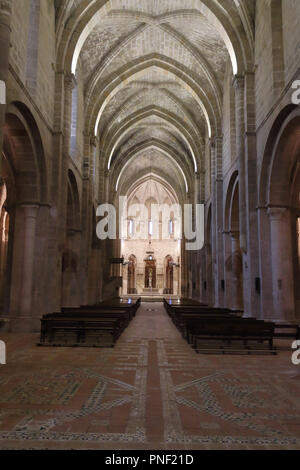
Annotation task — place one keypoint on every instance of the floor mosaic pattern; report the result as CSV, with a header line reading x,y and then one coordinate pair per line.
x,y
152,391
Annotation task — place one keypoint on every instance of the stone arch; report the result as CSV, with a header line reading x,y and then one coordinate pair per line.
x,y
22,139
136,180
85,16
234,213
233,253
278,126
280,192
25,179
164,151
229,195
174,121
126,107
165,147
99,96
70,296
73,207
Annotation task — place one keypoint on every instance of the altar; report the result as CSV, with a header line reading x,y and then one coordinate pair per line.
x,y
150,291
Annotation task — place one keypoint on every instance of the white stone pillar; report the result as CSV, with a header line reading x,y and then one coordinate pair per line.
x,y
26,293
282,263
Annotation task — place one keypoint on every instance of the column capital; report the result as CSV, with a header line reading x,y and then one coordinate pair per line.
x,y
70,80
93,140
30,210
215,140
5,12
278,213
235,234
238,82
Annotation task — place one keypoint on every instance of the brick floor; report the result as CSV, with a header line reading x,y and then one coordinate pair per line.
x,y
152,391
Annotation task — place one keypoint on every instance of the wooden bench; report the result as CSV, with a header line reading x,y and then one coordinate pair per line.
x,y
287,331
116,304
71,329
229,330
182,319
77,332
124,315
97,325
176,312
200,322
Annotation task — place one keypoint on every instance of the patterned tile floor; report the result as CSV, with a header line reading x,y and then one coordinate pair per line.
x,y
152,391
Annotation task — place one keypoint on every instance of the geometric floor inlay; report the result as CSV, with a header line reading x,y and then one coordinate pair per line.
x,y
152,391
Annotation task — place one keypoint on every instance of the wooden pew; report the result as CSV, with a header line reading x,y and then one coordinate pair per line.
x,y
94,326
76,331
198,322
181,319
175,312
232,330
287,331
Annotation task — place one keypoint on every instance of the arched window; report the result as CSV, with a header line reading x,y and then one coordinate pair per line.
x,y
171,227
131,227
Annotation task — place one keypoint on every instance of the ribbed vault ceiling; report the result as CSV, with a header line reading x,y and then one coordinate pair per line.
x,y
153,74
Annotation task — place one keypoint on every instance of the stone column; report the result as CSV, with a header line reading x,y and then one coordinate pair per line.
x,y
3,257
251,259
239,87
282,263
65,85
237,269
29,231
69,83
184,270
298,271
5,32
217,220
298,240
106,186
227,250
214,290
209,295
